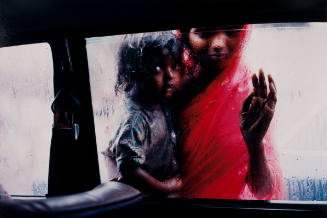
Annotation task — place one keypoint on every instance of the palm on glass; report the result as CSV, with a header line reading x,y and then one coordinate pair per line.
x,y
258,110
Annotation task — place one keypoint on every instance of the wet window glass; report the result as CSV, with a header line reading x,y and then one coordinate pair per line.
x,y
241,108
26,73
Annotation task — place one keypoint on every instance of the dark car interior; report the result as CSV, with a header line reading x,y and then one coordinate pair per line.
x,y
74,185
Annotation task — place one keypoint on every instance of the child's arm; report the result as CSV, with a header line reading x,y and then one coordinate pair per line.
x,y
170,186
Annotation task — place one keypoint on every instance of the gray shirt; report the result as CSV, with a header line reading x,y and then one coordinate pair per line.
x,y
146,139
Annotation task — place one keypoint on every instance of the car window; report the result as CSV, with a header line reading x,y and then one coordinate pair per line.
x,y
26,74
295,143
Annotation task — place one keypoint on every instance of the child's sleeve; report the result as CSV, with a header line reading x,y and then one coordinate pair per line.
x,y
131,145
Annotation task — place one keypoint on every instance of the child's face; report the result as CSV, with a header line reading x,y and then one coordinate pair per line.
x,y
214,47
167,79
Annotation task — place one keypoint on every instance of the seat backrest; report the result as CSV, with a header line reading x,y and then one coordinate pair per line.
x,y
105,197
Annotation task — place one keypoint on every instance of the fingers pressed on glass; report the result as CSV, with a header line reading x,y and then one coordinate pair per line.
x,y
255,83
247,103
272,84
272,93
262,84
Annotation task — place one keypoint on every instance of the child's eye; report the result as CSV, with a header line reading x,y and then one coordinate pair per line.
x,y
158,69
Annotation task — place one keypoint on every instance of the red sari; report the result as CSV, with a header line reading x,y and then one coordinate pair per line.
x,y
214,155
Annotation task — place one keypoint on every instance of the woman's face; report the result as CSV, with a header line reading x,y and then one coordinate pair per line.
x,y
214,47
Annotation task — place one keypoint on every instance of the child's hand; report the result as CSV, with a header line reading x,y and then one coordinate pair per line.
x,y
174,184
169,186
257,111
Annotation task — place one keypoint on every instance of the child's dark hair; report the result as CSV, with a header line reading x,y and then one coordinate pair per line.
x,y
139,57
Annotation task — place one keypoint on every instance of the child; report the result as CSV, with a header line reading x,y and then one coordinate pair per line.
x,y
149,73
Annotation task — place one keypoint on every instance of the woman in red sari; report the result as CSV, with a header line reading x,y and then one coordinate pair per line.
x,y
226,149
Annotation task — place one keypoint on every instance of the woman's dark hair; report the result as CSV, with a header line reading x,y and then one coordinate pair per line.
x,y
139,57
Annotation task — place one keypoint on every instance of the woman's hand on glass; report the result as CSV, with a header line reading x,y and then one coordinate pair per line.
x,y
257,111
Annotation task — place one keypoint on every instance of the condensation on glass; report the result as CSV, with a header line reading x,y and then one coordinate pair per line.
x,y
295,55
102,53
26,85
